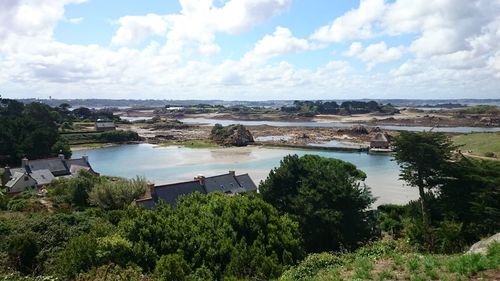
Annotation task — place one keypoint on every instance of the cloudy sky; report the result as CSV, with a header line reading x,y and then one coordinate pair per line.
x,y
250,49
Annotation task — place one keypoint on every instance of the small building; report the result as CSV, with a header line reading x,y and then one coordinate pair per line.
x,y
38,173
379,141
102,126
229,184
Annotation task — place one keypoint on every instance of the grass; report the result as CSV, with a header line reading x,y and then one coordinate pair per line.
x,y
396,263
89,146
191,144
482,144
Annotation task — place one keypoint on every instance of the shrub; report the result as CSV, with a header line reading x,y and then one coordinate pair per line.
x,y
313,264
172,267
117,194
22,250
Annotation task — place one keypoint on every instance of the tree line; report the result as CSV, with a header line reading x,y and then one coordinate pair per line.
x,y
311,108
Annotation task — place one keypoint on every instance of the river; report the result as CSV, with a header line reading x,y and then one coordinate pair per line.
x,y
171,164
225,122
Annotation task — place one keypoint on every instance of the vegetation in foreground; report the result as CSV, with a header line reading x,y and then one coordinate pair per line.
x,y
394,260
481,144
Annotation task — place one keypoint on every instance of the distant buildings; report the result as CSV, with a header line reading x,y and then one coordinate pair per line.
x,y
37,173
228,183
102,126
379,142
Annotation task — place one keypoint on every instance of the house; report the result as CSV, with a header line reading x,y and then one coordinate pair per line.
x,y
379,141
229,183
37,173
102,126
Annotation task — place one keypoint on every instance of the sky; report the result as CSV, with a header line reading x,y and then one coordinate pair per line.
x,y
250,49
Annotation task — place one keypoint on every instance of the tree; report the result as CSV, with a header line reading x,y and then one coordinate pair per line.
x,y
172,267
326,196
423,157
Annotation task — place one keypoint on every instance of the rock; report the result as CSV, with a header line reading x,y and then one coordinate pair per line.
x,y
232,135
359,130
482,246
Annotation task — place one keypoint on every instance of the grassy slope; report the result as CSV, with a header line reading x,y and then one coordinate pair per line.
x,y
388,261
479,143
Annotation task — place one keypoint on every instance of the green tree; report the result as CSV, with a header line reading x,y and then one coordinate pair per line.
x,y
423,157
328,198
172,267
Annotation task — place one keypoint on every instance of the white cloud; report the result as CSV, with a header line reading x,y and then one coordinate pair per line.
x,y
463,66
355,24
375,53
279,43
134,29
198,22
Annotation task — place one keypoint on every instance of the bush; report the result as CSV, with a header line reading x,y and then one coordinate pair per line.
x,y
313,264
113,195
118,136
172,267
22,250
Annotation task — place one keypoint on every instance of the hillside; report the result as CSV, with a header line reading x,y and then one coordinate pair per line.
x,y
393,260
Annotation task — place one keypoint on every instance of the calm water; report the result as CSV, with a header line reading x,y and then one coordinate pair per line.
x,y
171,164
212,122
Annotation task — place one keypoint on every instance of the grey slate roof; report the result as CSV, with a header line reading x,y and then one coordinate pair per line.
x,y
44,171
224,183
227,183
16,176
42,177
56,166
105,125
171,192
246,183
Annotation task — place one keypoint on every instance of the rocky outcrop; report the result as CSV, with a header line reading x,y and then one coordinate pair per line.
x,y
482,246
232,135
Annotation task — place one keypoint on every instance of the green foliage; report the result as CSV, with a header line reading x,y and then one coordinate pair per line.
x,y
326,196
172,267
117,194
311,108
79,255
235,236
75,190
118,136
113,273
313,264
22,250
29,130
422,156
398,264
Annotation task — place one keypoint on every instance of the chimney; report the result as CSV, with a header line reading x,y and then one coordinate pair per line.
x,y
86,158
232,173
24,162
201,179
151,188
61,155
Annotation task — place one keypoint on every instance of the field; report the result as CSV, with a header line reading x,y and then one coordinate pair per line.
x,y
481,144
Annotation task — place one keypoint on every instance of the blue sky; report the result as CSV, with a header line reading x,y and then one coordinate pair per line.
x,y
250,49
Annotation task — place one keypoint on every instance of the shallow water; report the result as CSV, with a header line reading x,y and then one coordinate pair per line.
x,y
172,164
212,122
337,143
